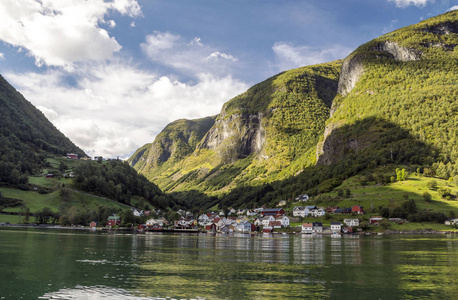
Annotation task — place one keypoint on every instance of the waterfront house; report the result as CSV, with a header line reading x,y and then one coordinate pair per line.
x,y
351,222
267,229
307,228
267,219
243,226
211,227
227,228
336,227
356,209
273,212
258,222
317,227
93,224
284,220
113,220
275,224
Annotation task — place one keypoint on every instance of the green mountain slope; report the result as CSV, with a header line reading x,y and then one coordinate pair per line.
x,y
26,136
269,132
392,102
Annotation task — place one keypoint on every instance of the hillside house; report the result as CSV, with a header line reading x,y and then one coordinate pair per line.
x,y
273,212
351,222
281,203
451,221
300,211
318,212
72,156
375,220
302,198
356,209
113,220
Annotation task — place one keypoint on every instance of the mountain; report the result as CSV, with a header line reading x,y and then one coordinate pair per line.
x,y
391,102
26,136
275,123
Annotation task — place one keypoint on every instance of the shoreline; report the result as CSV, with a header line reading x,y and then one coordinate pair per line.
x,y
132,230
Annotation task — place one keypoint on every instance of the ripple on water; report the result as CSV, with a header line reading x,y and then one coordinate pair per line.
x,y
102,292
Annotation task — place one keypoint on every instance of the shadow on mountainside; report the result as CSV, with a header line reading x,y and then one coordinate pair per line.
x,y
349,150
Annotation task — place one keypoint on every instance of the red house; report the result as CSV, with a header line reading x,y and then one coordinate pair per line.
x,y
211,227
113,221
72,156
357,209
93,224
375,220
273,212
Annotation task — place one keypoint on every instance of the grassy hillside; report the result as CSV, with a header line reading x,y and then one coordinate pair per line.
x,y
268,133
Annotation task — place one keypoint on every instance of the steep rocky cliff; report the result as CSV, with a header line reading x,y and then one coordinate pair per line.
x,y
266,133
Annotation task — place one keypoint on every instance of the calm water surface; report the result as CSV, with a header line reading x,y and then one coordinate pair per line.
x,y
50,264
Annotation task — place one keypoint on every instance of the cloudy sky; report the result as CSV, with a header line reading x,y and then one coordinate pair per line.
x,y
111,74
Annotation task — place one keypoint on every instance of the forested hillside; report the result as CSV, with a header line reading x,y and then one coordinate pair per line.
x,y
26,137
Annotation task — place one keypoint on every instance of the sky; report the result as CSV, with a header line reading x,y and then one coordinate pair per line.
x,y
111,74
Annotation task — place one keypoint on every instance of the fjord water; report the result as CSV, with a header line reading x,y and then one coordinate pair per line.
x,y
51,264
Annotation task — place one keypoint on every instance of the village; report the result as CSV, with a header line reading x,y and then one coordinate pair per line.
x,y
258,220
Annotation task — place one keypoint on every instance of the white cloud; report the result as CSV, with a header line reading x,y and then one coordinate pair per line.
x,y
289,57
2,56
405,3
60,33
192,57
115,108
111,23
453,8
217,54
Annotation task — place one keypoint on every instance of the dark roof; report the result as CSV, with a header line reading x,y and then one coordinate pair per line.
x,y
317,224
336,223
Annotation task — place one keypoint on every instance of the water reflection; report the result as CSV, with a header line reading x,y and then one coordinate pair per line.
x,y
151,266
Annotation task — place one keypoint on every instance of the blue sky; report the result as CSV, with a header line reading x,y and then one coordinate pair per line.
x,y
112,74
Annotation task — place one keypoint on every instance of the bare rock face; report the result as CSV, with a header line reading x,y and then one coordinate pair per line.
x,y
236,136
398,53
352,69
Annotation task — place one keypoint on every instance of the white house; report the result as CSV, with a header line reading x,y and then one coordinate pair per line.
x,y
266,220
318,212
317,227
251,213
336,226
351,222
302,198
284,221
300,211
307,228
451,222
